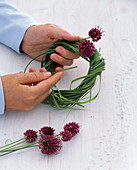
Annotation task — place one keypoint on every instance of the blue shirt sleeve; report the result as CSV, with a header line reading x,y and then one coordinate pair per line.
x,y
13,25
2,102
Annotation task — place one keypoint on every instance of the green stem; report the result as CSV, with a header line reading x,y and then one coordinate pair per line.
x,y
32,60
27,145
6,153
14,150
11,143
12,146
64,69
86,38
85,59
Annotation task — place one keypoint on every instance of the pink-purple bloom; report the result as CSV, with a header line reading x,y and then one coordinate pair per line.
x,y
86,48
46,130
50,144
30,135
72,127
95,33
66,135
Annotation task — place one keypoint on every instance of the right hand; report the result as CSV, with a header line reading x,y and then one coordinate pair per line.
x,y
38,39
19,92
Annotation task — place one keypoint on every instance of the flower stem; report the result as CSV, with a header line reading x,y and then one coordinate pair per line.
x,y
8,151
64,69
86,38
7,148
31,61
27,145
11,143
14,150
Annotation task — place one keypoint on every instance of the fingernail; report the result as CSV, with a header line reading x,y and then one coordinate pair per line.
x,y
59,50
46,74
54,57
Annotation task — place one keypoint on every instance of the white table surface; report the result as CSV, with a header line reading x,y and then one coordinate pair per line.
x,y
108,134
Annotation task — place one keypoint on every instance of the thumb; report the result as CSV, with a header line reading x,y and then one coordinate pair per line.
x,y
64,34
70,36
34,77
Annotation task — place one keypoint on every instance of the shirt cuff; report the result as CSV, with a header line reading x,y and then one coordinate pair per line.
x,y
13,25
2,101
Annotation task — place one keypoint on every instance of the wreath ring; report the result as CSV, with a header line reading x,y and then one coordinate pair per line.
x,y
69,98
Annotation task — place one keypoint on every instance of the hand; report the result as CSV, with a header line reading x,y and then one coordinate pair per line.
x,y
40,37
19,92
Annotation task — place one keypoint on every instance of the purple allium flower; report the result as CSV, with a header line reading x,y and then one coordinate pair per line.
x,y
50,144
46,130
66,135
30,135
86,48
72,127
95,33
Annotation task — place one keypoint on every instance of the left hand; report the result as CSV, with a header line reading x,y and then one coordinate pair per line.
x,y
21,95
40,37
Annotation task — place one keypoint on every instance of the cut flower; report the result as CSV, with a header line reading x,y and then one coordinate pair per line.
x,y
46,130
72,127
95,33
66,135
50,144
30,135
86,48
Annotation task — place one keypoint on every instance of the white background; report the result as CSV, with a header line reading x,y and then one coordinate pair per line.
x,y
108,133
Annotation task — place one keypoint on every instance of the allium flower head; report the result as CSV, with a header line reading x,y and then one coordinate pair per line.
x,y
46,130
86,48
72,127
95,33
66,135
30,135
50,144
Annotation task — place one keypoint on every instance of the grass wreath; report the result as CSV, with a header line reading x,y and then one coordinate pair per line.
x,y
86,49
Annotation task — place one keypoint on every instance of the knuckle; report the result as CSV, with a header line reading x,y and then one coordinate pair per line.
x,y
50,25
70,62
30,98
25,109
47,94
19,77
77,56
28,108
51,85
36,75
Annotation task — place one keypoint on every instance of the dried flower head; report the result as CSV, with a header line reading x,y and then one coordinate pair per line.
x,y
66,135
46,130
86,48
50,144
72,127
30,135
95,33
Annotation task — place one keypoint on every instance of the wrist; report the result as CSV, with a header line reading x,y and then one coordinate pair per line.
x,y
26,40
